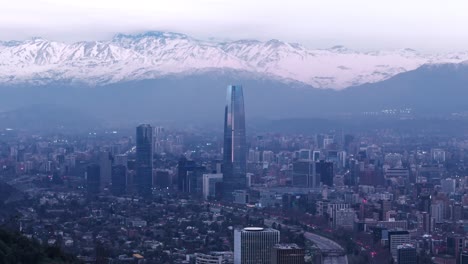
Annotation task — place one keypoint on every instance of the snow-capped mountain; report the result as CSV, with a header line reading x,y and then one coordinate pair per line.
x,y
156,54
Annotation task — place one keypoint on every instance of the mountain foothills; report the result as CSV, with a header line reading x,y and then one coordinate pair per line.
x,y
159,54
199,98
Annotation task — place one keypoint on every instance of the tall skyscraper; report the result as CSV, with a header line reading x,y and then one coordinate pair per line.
x,y
93,179
144,159
105,164
119,180
235,149
254,245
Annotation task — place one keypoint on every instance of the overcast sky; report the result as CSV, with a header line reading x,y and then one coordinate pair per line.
x,y
427,25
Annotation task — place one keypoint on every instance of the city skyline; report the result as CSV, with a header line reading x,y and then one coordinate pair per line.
x,y
195,136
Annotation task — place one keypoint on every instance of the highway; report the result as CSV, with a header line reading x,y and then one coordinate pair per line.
x,y
325,244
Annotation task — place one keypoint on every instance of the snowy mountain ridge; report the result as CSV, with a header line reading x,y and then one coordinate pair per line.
x,y
156,54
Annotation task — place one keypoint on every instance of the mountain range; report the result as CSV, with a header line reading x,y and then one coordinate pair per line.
x,y
157,54
161,77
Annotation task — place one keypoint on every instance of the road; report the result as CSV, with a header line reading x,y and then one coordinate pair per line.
x,y
324,243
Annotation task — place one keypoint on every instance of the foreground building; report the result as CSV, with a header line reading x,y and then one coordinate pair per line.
x,y
287,254
254,245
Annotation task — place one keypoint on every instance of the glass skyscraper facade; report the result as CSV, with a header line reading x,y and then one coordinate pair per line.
x,y
144,159
235,149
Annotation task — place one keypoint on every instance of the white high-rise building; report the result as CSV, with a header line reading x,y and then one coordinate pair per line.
x,y
254,245
438,155
209,184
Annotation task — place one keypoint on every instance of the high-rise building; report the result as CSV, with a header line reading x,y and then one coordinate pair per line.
x,y
424,201
211,185
287,254
93,179
385,206
437,212
325,171
395,239
105,165
448,185
438,155
121,159
344,218
162,179
119,180
304,174
235,149
144,159
254,245
406,254
464,257
190,176
305,154
455,245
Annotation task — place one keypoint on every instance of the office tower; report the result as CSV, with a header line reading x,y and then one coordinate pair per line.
x,y
395,239
316,155
211,185
119,180
162,179
190,176
93,179
437,212
105,164
456,211
121,159
464,257
305,154
304,174
268,156
325,171
144,159
319,139
385,206
448,185
344,218
287,254
406,254
438,155
254,245
426,222
424,203
183,167
235,149
455,245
